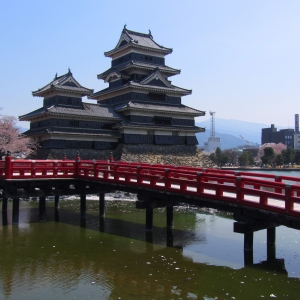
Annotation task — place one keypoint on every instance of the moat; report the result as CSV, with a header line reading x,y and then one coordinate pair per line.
x,y
201,258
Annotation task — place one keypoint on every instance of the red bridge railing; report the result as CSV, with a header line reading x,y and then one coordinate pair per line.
x,y
279,194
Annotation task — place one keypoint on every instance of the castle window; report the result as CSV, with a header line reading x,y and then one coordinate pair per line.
x,y
162,121
157,97
74,123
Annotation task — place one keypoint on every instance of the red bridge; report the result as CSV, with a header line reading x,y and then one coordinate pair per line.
x,y
258,200
280,194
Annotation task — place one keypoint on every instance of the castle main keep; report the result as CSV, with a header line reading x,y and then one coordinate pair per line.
x,y
139,116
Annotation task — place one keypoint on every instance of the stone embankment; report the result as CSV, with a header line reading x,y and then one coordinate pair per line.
x,y
177,155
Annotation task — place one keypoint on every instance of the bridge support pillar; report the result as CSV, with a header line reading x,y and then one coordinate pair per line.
x,y
83,205
56,201
170,237
4,205
248,258
149,219
42,208
271,244
15,211
248,241
271,236
170,221
102,205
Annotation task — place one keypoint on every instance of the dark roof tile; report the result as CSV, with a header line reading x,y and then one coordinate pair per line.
x,y
65,83
88,110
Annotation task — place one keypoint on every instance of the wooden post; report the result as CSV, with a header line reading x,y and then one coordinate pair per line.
x,y
271,244
42,208
83,205
77,160
248,241
149,240
8,167
248,258
4,205
56,201
56,215
271,236
102,205
4,211
170,237
15,211
170,221
102,225
149,219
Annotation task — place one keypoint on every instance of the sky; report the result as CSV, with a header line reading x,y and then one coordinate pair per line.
x,y
239,57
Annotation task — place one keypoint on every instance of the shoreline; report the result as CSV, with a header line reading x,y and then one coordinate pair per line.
x,y
260,169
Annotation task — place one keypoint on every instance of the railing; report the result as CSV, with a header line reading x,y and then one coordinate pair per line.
x,y
279,194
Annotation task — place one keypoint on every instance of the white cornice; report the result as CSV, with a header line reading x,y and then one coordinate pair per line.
x,y
149,127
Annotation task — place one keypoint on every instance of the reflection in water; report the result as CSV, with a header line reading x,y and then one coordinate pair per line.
x,y
115,258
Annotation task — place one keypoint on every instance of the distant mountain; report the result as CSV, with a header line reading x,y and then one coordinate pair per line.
x,y
22,129
249,131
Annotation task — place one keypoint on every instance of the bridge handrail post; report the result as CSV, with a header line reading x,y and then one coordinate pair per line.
x,y
238,185
167,174
33,173
278,179
8,165
116,169
289,204
200,188
77,161
95,169
138,175
55,168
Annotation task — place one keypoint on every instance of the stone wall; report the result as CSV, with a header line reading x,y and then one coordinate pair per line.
x,y
177,155
72,153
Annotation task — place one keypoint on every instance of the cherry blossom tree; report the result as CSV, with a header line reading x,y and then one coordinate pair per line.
x,y
277,148
12,140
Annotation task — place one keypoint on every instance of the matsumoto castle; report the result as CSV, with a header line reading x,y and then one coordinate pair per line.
x,y
140,110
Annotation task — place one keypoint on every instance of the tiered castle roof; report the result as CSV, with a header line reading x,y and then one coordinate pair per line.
x,y
141,105
136,40
64,83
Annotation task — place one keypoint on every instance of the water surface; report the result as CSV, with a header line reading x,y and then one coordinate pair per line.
x,y
202,258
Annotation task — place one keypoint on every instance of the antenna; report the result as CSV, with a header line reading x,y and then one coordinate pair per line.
x,y
212,124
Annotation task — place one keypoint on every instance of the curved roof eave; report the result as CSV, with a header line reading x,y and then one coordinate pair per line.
x,y
128,45
47,113
201,113
182,92
82,92
159,128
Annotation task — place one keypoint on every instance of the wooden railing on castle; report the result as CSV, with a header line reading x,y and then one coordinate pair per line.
x,y
280,194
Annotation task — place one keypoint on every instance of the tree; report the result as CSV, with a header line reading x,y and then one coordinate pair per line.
x,y
279,160
232,155
288,155
213,158
269,156
218,157
251,159
297,157
277,148
12,140
244,159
